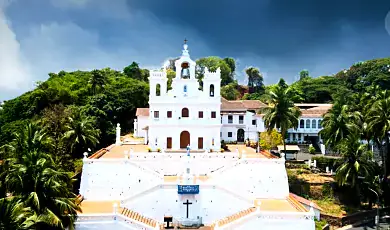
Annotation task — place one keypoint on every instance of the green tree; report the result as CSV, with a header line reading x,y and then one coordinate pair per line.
x,y
230,91
134,71
270,139
357,162
80,134
97,80
303,74
213,63
338,123
32,176
255,80
281,112
378,122
13,214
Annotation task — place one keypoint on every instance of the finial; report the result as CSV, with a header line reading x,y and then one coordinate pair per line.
x,y
85,155
185,40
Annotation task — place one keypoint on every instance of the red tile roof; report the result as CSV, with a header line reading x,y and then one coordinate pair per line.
x,y
305,201
143,112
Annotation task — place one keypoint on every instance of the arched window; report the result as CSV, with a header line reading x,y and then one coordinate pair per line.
x,y
211,90
185,89
158,90
185,70
308,124
313,124
185,112
319,124
301,124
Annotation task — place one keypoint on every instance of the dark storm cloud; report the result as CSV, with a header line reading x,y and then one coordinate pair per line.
x,y
271,28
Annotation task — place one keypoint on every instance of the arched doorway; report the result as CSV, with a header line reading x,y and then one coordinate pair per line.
x,y
240,135
184,139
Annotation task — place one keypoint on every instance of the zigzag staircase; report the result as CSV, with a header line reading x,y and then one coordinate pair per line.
x,y
138,217
235,216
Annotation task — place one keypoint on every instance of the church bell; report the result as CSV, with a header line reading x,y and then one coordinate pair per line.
x,y
185,73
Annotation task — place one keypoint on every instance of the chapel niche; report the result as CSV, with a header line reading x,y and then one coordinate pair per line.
x,y
185,70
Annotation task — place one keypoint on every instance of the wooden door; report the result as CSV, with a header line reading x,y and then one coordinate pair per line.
x,y
200,142
184,139
169,142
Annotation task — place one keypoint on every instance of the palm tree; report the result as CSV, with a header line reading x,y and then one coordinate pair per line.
x,y
31,138
32,177
338,123
97,80
357,162
281,111
35,179
13,214
378,122
80,134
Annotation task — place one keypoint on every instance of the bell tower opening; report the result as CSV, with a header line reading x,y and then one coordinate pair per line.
x,y
185,70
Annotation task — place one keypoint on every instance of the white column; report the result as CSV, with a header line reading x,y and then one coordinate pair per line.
x,y
118,134
135,128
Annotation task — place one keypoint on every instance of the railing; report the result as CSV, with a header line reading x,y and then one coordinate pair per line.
x,y
234,217
128,214
266,215
83,219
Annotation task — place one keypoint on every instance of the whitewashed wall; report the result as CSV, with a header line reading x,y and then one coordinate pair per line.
x,y
255,178
276,221
211,204
115,179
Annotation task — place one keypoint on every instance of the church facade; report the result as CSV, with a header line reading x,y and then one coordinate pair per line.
x,y
188,116
185,115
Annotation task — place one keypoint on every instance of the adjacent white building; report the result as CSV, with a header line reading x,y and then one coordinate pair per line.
x,y
187,115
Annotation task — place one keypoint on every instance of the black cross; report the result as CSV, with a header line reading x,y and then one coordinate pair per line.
x,y
168,220
185,40
187,203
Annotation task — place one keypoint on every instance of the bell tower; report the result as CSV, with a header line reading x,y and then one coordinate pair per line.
x,y
185,83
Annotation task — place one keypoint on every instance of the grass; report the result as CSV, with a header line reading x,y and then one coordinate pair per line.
x,y
331,207
320,224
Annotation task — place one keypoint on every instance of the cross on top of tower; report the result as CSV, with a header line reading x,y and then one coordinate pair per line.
x,y
185,40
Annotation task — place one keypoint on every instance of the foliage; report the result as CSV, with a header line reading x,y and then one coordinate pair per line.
x,y
255,80
135,72
303,74
311,149
41,191
230,91
270,139
320,224
281,112
213,63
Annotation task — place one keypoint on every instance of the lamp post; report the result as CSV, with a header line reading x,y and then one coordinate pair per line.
x,y
377,209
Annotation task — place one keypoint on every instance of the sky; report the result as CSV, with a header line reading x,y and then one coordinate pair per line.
x,y
280,37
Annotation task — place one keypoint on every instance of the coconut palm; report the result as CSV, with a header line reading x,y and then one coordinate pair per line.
x,y
97,80
30,138
13,213
357,161
32,177
338,123
378,121
80,134
46,190
281,111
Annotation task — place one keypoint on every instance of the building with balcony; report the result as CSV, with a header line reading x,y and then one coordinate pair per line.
x,y
187,115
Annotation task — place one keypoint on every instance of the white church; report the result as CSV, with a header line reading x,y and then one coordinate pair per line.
x,y
124,186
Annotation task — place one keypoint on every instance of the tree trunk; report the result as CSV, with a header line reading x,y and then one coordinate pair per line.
x,y
284,143
386,156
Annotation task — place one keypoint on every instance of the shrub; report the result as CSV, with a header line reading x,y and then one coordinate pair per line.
x,y
323,162
312,150
223,145
149,150
159,150
222,150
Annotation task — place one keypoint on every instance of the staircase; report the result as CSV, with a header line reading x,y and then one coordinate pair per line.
x,y
138,217
236,216
298,206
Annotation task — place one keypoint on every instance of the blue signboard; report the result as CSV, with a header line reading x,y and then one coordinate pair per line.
x,y
188,189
